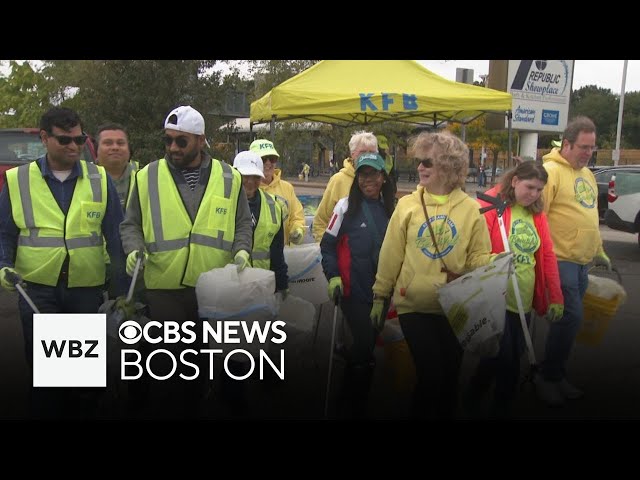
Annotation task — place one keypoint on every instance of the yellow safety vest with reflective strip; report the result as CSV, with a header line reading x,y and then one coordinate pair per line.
x,y
47,235
268,225
179,250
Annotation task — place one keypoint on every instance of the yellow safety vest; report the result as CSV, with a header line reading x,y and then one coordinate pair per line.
x,y
47,235
179,250
268,225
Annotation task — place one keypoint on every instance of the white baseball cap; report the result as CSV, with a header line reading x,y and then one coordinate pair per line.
x,y
185,119
249,163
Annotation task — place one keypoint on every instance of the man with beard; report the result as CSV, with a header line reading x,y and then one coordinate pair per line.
x,y
188,213
54,212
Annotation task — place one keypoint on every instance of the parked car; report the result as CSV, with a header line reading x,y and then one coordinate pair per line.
x,y
603,176
624,200
23,145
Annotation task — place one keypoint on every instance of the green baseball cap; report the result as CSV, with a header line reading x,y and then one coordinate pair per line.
x,y
371,159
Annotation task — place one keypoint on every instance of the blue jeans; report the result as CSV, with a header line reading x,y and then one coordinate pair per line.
x,y
562,333
49,402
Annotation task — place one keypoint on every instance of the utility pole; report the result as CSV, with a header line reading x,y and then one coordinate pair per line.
x,y
616,152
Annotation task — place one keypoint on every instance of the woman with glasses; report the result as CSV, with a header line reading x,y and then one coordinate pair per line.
x,y
340,183
350,249
435,234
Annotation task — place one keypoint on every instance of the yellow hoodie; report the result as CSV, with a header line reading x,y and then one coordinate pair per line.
x,y
409,265
284,191
571,206
337,188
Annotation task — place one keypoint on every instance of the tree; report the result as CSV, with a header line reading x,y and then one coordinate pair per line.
x,y
137,94
601,106
25,94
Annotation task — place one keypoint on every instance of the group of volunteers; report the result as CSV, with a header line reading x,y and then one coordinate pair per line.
x,y
373,253
69,229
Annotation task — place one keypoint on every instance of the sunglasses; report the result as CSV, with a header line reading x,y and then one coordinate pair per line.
x,y
66,139
181,142
426,163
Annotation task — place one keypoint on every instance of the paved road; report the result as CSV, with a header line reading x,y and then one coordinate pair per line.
x,y
609,373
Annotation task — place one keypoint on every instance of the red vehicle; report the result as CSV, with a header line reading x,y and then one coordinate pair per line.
x,y
23,145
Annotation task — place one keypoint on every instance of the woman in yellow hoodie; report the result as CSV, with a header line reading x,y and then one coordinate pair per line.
x,y
292,211
412,266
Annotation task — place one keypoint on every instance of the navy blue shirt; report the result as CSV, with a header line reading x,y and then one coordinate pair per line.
x,y
349,249
63,193
276,250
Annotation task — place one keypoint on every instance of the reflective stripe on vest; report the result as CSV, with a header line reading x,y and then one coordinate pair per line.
x,y
47,235
179,250
269,223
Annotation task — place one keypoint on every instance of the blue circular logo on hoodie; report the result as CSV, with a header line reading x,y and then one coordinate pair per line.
x,y
445,232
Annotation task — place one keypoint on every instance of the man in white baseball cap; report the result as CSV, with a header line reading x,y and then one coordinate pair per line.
x,y
187,214
292,213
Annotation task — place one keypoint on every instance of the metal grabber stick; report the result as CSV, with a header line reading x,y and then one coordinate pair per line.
x,y
500,206
336,301
15,279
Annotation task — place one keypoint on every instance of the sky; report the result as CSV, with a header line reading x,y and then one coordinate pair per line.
x,y
602,73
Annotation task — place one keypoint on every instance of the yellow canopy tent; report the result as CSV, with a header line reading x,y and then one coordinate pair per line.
x,y
349,92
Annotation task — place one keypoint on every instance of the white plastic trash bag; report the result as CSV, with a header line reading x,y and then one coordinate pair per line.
x,y
225,294
306,279
475,305
299,315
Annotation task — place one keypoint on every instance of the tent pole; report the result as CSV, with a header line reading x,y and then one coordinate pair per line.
x,y
509,118
273,128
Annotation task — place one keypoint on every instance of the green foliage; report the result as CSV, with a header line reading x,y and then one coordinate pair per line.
x,y
24,96
601,106
137,94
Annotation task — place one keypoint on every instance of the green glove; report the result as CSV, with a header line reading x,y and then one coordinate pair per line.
x,y
555,312
377,314
8,278
131,261
335,287
297,235
284,294
128,308
495,256
602,259
242,260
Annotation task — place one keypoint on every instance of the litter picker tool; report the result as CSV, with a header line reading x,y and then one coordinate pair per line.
x,y
17,281
500,206
336,301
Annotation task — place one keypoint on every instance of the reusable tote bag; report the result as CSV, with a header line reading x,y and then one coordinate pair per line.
x,y
475,306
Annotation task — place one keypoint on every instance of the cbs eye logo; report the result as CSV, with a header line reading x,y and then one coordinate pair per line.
x,y
130,332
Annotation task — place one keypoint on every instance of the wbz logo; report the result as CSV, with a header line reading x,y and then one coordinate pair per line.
x,y
69,350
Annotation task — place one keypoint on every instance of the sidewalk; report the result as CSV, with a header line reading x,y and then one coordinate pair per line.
x,y
404,188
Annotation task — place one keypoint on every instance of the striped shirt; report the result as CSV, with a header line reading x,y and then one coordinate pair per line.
x,y
191,176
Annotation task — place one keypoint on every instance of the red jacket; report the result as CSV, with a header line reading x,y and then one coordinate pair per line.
x,y
547,280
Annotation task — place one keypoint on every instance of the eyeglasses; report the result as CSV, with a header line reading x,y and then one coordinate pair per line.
x,y
66,139
587,148
426,163
270,158
181,141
